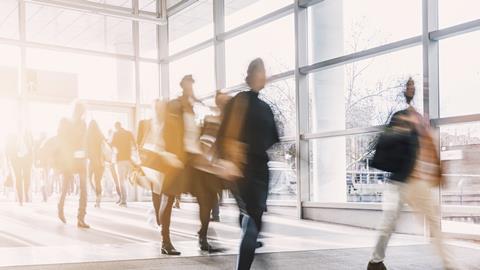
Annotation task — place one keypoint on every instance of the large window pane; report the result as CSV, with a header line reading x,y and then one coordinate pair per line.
x,y
460,149
200,65
239,12
82,76
340,170
149,83
452,12
44,117
191,26
283,177
9,118
148,40
9,70
273,42
459,75
76,29
120,3
343,27
148,5
281,98
364,93
9,18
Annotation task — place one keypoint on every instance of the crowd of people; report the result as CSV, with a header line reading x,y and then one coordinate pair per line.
x,y
170,154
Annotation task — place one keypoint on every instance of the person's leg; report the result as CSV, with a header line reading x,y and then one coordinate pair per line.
x,y
420,198
98,175
157,200
82,207
27,175
251,225
17,171
122,171
113,172
392,205
216,208
165,217
65,180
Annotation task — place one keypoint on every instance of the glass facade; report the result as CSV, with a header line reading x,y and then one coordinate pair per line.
x,y
337,65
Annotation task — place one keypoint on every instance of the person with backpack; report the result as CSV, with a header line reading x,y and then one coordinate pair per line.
x,y
408,151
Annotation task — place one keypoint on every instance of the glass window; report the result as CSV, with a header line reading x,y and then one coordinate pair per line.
x,y
148,5
283,176
364,93
148,40
106,119
149,83
9,118
459,75
9,70
38,112
281,98
82,76
340,170
273,42
343,27
240,12
120,3
452,12
460,149
76,29
191,26
200,65
9,18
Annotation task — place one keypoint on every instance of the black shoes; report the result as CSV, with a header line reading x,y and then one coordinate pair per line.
x,y
376,266
82,225
169,249
205,246
215,219
259,244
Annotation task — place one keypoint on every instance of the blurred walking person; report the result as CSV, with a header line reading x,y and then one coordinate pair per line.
x,y
123,143
73,161
96,158
407,150
247,132
19,153
160,166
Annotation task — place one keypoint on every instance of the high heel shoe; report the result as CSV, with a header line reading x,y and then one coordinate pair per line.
x,y
82,225
169,249
205,246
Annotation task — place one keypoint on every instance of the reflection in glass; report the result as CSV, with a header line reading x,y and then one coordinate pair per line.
x,y
460,155
340,170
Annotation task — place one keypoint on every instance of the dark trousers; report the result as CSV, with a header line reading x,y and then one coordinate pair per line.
x,y
96,170
251,223
163,205
67,181
22,168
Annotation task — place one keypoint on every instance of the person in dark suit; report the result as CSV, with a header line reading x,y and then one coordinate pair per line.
x,y
247,144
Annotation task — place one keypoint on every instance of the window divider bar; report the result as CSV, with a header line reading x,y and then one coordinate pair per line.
x,y
455,120
342,133
275,15
455,30
308,3
189,51
349,58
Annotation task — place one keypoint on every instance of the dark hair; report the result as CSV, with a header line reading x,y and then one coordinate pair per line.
x,y
408,98
254,66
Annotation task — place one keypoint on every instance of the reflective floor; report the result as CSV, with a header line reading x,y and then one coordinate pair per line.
x,y
32,235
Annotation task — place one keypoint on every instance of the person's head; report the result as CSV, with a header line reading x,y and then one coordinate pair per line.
x,y
118,126
79,111
93,128
409,90
187,85
256,75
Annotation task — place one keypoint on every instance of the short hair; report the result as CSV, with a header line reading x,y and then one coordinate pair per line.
x,y
254,66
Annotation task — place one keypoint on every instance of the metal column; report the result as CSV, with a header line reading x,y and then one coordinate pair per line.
x,y
219,28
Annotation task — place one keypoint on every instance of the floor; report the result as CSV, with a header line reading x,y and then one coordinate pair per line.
x,y
31,237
